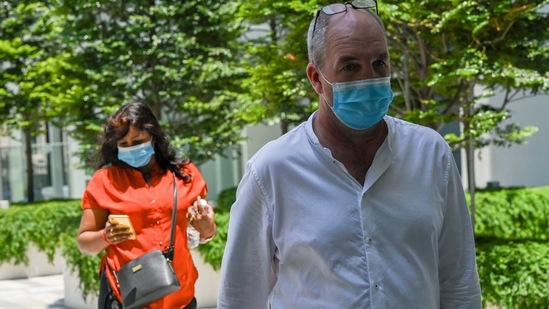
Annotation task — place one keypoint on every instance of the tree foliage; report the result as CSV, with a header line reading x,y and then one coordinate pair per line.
x,y
449,56
275,58
33,68
176,56
34,73
208,68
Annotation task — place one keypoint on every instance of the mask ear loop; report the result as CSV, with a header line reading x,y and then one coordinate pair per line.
x,y
322,94
326,99
324,77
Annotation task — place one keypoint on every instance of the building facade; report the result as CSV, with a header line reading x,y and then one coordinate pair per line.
x,y
58,174
519,165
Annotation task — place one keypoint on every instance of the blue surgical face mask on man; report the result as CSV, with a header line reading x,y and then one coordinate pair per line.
x,y
361,104
136,156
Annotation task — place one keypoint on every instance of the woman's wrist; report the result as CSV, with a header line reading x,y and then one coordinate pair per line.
x,y
204,240
104,236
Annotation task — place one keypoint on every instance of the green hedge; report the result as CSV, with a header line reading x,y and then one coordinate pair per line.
x,y
512,229
513,214
43,224
512,240
48,225
512,232
514,274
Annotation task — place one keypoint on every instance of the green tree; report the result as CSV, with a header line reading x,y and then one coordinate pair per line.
x,y
33,74
176,56
275,59
449,56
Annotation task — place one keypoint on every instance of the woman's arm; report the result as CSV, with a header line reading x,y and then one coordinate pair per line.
x,y
91,239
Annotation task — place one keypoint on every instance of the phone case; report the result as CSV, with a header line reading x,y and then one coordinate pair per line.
x,y
125,221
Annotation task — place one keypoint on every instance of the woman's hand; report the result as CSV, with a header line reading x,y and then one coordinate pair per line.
x,y
202,217
115,232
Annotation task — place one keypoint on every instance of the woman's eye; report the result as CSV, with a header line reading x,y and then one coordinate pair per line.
x,y
133,143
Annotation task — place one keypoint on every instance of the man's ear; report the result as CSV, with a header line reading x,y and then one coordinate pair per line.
x,y
314,77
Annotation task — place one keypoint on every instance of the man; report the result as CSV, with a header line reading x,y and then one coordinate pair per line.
x,y
352,209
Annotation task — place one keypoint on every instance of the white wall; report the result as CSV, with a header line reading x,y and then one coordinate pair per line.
x,y
77,177
258,136
221,173
519,165
38,265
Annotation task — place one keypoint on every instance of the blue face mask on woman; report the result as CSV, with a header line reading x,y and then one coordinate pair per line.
x,y
136,156
363,103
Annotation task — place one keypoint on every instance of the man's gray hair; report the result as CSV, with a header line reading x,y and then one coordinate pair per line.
x,y
316,45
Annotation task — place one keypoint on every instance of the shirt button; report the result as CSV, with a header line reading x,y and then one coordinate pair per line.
x,y
157,222
153,201
160,243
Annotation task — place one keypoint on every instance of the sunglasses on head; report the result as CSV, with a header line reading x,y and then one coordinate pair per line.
x,y
337,8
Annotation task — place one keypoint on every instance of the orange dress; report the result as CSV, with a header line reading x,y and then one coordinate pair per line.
x,y
124,191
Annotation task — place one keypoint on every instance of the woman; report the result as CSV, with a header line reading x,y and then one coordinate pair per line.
x,y
135,177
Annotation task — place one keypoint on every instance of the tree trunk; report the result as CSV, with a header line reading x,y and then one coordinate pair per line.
x,y
471,177
284,127
27,131
470,150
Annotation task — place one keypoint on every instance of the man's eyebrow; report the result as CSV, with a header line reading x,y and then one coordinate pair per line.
x,y
345,58
344,61
384,55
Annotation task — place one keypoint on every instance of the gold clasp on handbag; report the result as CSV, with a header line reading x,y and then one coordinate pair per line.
x,y
137,268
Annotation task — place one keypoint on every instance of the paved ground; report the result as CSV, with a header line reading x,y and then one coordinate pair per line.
x,y
45,292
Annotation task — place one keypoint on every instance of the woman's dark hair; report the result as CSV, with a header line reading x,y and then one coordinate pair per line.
x,y
141,117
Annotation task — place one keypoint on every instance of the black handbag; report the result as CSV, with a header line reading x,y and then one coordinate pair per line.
x,y
150,276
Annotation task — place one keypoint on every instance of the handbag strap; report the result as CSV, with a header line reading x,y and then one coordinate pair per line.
x,y
169,252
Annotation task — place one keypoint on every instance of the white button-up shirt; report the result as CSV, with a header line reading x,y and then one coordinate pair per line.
x,y
304,233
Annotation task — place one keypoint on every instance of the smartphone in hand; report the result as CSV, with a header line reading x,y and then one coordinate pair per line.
x,y
123,221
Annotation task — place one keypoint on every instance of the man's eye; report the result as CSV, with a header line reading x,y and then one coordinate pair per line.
x,y
380,63
351,67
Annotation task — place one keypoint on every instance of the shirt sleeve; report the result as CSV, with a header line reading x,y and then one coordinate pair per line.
x,y
459,281
94,191
247,274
